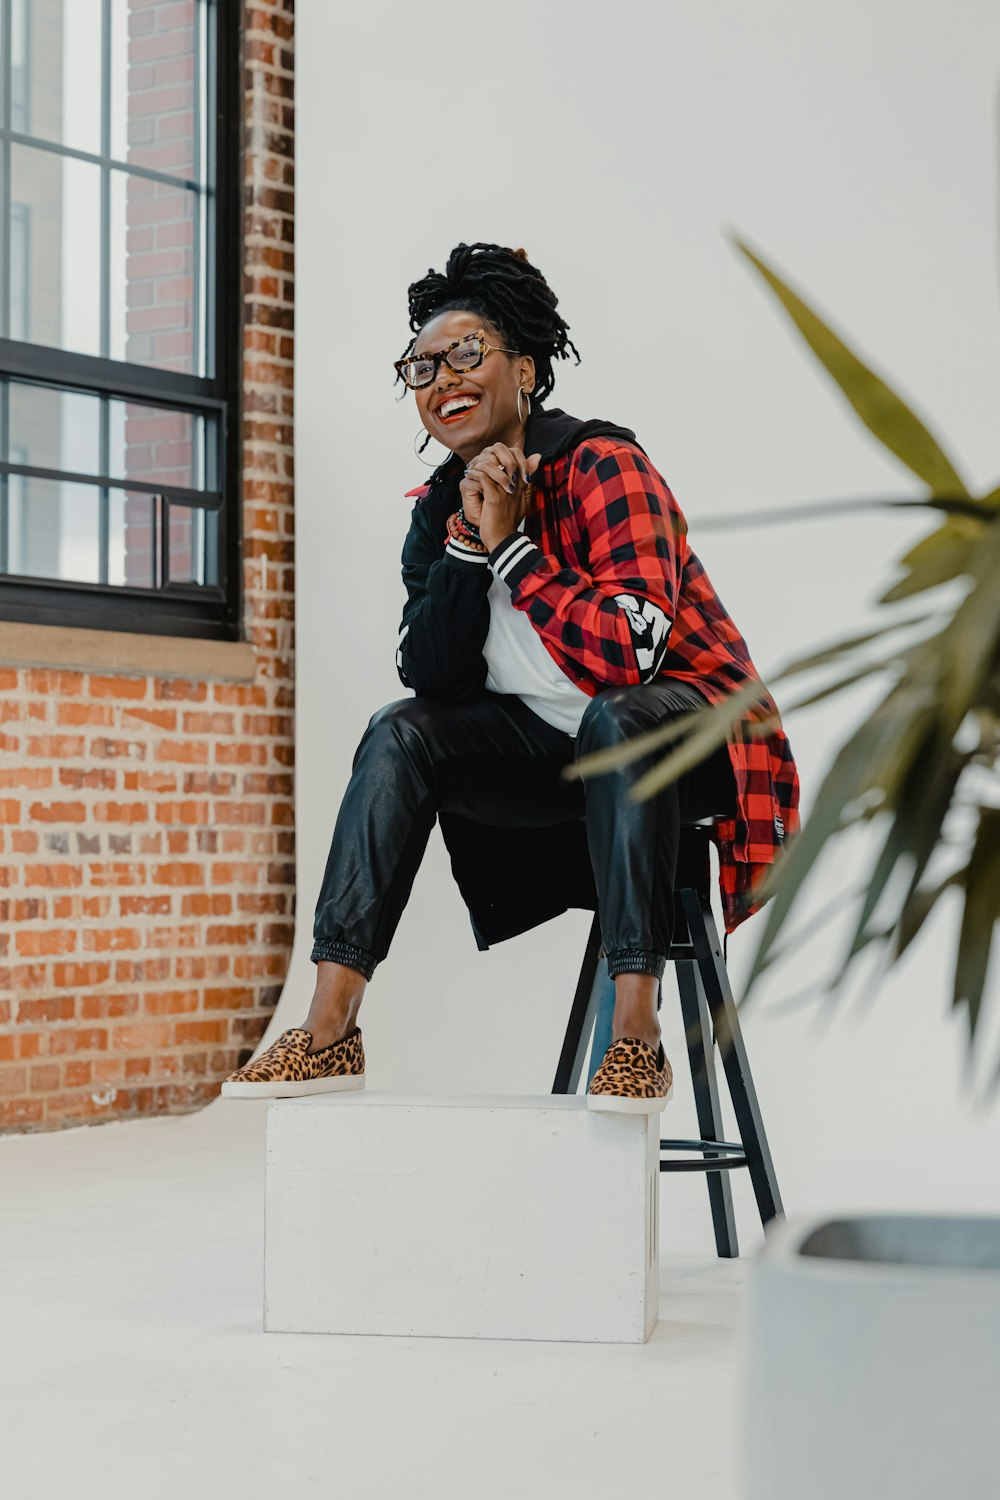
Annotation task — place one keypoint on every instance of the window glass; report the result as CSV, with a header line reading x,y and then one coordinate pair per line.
x,y
157,108
132,548
53,529
157,445
56,429
20,82
156,251
107,112
193,547
63,197
60,41
20,264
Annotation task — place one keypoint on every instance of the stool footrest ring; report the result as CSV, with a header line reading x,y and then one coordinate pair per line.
x,y
718,1156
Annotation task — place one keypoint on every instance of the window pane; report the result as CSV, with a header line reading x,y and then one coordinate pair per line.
x,y
63,198
20,278
63,47
56,429
193,545
156,104
157,445
20,54
156,253
53,529
132,539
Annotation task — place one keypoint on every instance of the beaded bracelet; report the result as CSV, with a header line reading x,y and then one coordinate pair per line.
x,y
468,526
461,533
465,527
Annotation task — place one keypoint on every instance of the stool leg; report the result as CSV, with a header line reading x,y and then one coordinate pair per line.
x,y
701,1055
581,1016
712,968
605,1008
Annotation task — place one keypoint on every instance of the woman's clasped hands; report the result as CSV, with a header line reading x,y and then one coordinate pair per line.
x,y
496,491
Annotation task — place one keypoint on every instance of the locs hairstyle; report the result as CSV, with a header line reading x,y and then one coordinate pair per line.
x,y
512,295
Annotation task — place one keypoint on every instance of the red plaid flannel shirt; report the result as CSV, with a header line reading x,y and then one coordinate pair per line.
x,y
605,524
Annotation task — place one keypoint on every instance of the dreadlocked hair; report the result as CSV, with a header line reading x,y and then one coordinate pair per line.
x,y
502,286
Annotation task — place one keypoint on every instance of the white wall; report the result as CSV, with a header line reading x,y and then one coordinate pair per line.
x,y
855,146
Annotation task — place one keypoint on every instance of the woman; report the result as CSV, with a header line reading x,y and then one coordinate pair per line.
x,y
554,608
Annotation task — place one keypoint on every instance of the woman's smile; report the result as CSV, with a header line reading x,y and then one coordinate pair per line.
x,y
466,408
454,408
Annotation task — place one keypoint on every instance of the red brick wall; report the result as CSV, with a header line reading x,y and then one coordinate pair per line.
x,y
146,823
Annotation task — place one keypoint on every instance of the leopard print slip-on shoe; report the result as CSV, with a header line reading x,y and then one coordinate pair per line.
x,y
632,1079
288,1069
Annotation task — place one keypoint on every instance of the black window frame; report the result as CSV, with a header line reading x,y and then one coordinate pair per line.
x,y
211,612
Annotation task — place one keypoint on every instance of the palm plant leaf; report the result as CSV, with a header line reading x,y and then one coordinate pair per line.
x,y
922,797
839,803
971,644
943,555
917,907
916,768
883,412
841,648
903,763
949,505
980,916
846,680
947,552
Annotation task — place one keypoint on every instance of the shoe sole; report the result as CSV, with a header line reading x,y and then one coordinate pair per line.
x,y
293,1088
620,1104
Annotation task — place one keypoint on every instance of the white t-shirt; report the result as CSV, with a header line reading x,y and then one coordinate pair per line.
x,y
517,662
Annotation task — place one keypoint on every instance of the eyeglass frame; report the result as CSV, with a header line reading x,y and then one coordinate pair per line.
x,y
442,354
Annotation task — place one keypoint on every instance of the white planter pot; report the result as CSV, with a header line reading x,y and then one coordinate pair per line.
x,y
872,1361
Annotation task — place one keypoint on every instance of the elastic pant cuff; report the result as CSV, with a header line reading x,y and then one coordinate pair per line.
x,y
335,952
636,961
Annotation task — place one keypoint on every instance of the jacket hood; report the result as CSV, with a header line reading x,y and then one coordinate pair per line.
x,y
554,433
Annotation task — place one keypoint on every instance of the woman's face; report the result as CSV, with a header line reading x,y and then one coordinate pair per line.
x,y
489,415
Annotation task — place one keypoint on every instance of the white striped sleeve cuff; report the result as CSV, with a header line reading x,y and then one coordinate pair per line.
x,y
515,556
464,556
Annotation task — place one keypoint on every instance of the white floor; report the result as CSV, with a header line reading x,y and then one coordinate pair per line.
x,y
133,1359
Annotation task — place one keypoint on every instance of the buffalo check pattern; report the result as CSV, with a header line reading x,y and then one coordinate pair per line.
x,y
605,573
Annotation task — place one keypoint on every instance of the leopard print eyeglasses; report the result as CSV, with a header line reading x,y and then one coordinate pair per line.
x,y
466,353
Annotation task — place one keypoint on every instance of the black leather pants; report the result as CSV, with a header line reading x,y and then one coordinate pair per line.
x,y
493,760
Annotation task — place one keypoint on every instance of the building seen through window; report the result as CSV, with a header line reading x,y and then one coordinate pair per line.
x,y
117,356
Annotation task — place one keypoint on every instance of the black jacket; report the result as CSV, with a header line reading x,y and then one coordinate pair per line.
x,y
446,616
540,872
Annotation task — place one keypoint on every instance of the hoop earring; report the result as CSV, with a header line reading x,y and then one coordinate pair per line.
x,y
522,392
430,462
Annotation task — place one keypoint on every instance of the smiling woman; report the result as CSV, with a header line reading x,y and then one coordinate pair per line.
x,y
554,608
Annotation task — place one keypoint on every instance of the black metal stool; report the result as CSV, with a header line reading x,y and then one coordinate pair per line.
x,y
710,1016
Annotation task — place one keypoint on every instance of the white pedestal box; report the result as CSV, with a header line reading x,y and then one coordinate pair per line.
x,y
498,1218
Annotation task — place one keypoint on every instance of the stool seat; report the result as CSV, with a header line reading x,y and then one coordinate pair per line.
x,y
711,1022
